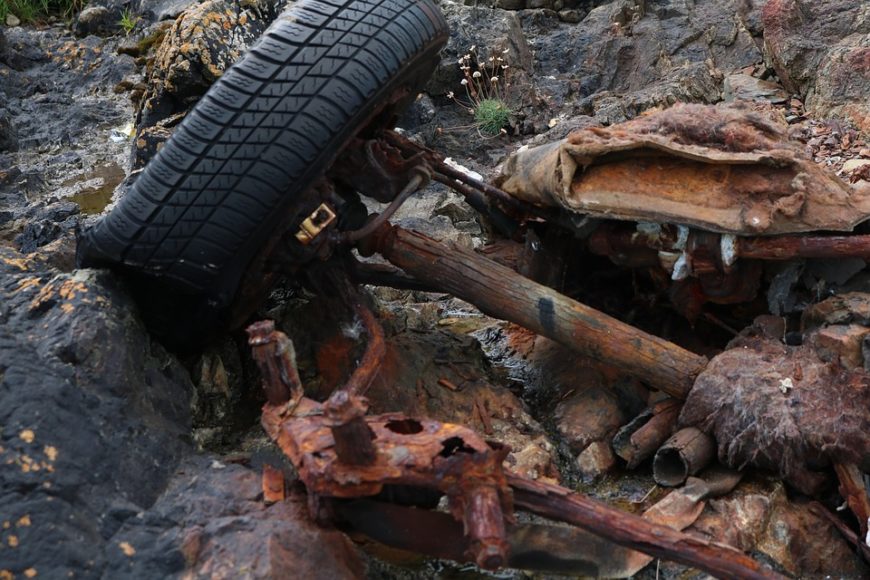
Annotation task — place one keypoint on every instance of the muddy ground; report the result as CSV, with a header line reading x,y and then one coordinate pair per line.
x,y
119,459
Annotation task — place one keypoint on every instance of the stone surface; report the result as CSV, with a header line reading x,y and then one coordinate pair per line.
x,y
749,88
93,413
596,461
202,43
821,50
212,523
760,517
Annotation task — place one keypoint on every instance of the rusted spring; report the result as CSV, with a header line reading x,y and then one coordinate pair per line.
x,y
422,176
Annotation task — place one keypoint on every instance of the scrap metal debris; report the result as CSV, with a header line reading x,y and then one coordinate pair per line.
x,y
406,452
722,169
701,198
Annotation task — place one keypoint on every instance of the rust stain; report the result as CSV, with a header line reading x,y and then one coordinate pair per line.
x,y
50,452
23,521
27,435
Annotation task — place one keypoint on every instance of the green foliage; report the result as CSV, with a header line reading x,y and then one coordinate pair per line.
x,y
128,21
492,115
34,10
487,85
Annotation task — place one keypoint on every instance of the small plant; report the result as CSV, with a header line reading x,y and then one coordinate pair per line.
x,y
33,10
487,87
128,22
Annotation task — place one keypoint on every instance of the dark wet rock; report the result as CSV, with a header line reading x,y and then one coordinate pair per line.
x,y
94,416
8,133
44,225
212,522
166,9
821,50
202,43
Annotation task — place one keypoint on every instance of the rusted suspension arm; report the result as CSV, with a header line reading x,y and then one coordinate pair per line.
x,y
628,530
502,293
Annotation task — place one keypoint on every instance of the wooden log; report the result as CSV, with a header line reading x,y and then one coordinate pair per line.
x,y
634,532
502,293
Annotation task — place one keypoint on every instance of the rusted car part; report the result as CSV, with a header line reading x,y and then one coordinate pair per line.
x,y
718,168
538,547
641,438
783,408
686,453
500,292
457,462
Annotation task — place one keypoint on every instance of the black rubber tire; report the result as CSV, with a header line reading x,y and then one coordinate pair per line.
x,y
220,187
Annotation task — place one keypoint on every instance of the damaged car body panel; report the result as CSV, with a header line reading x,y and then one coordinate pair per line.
x,y
720,169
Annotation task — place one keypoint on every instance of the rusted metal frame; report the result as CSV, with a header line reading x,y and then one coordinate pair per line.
x,y
502,293
620,239
460,463
557,503
855,493
467,185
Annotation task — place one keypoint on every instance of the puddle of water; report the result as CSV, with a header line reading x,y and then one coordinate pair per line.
x,y
94,197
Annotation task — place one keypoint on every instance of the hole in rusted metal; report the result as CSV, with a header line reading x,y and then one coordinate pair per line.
x,y
405,426
454,445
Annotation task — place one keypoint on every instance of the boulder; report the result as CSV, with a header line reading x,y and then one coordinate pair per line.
x,y
821,50
94,417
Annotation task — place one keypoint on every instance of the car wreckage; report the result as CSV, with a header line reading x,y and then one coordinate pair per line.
x,y
265,177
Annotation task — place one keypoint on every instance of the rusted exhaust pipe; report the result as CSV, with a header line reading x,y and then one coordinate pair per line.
x,y
686,453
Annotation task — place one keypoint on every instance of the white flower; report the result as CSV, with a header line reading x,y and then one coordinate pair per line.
x,y
476,74
450,95
464,82
493,80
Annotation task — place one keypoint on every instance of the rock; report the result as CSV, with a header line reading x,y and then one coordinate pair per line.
x,y
202,43
841,345
759,517
596,461
212,522
749,88
99,20
492,33
820,51
853,165
167,9
461,390
8,133
848,308
591,414
12,20
94,416
625,57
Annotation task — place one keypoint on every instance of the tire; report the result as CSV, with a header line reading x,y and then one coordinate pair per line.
x,y
226,181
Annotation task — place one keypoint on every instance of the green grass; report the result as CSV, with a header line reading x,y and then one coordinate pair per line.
x,y
128,22
35,10
492,115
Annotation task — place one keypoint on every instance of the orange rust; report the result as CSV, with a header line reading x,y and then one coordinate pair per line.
x,y
273,484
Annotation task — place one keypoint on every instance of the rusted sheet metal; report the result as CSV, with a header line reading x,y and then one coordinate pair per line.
x,y
782,408
719,168
413,452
